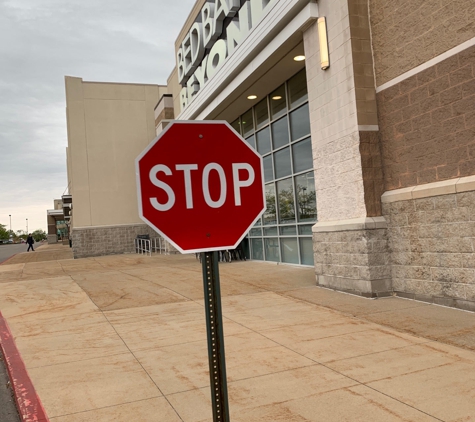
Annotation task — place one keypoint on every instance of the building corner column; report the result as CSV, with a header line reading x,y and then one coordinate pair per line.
x,y
350,238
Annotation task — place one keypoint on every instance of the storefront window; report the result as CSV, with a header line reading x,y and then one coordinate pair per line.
x,y
306,250
270,216
262,114
247,124
285,193
255,232
263,141
307,229
278,103
280,132
299,123
302,155
256,249
288,230
289,250
297,86
282,163
237,125
270,231
306,197
251,141
272,249
268,168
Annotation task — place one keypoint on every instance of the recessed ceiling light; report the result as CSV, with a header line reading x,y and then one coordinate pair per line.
x,y
277,97
251,97
299,58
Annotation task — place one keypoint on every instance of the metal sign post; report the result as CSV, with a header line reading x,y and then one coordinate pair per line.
x,y
201,171
214,326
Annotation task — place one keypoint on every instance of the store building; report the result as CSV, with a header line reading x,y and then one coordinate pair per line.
x,y
109,124
368,142
57,222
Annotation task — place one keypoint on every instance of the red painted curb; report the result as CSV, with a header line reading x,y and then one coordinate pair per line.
x,y
28,403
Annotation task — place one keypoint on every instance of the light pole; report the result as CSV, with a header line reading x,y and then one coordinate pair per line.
x,y
10,222
27,226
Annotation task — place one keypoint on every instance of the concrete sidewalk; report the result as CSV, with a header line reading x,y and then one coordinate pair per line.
x,y
123,338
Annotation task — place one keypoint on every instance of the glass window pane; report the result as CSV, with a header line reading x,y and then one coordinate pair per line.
x,y
306,250
297,86
302,155
285,194
272,249
258,222
270,216
299,123
255,232
307,229
282,163
288,230
237,125
290,252
306,197
263,141
262,114
280,133
247,123
278,105
270,231
256,249
268,170
251,141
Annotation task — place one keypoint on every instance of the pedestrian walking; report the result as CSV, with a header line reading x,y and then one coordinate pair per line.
x,y
30,242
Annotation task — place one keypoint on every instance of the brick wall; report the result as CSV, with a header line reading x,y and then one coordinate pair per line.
x,y
99,241
427,124
362,55
371,165
408,33
432,243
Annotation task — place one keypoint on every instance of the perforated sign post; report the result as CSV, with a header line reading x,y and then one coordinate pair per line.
x,y
201,186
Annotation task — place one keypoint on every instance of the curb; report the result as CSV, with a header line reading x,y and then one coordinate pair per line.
x,y
10,257
28,403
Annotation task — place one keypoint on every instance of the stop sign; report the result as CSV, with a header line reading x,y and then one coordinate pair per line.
x,y
200,185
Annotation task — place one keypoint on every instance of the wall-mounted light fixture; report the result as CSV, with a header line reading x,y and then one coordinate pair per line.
x,y
323,40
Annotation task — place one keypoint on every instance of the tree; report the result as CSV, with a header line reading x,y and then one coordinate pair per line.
x,y
4,233
21,234
39,235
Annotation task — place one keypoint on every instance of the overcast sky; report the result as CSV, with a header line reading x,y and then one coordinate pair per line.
x,y
41,41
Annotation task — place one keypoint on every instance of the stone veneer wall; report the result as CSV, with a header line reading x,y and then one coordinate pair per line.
x,y
355,261
98,241
432,243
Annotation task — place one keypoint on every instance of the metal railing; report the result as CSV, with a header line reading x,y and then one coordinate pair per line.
x,y
149,246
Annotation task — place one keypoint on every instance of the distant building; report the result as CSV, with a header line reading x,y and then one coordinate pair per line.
x,y
369,150
57,224
109,124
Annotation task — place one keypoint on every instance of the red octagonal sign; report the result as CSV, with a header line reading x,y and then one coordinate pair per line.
x,y
200,185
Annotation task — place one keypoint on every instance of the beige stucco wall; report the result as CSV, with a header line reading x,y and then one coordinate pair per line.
x,y
408,33
108,126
